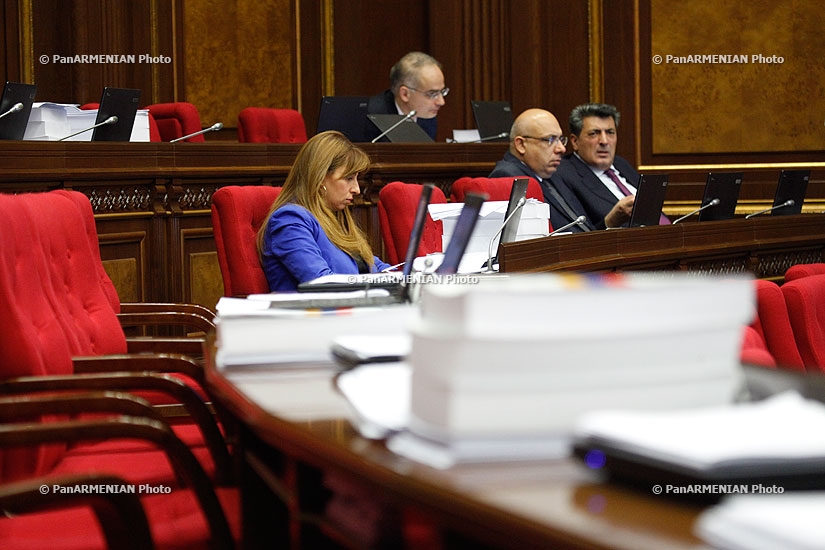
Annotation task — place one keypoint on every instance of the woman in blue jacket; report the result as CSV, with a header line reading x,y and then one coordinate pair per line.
x,y
310,231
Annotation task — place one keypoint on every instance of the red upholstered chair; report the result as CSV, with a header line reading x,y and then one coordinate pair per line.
x,y
497,189
237,214
397,203
805,299
804,270
754,351
265,125
55,316
773,325
176,120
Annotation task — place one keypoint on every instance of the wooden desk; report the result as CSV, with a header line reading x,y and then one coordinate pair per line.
x,y
764,246
294,431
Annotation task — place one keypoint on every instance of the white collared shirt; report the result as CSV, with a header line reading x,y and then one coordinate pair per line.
x,y
609,183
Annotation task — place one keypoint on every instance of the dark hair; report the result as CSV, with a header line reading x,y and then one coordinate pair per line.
x,y
600,110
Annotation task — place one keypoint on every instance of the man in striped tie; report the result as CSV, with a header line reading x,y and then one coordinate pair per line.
x,y
604,182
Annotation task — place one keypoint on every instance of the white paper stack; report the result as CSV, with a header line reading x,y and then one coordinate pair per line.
x,y
523,357
533,224
53,121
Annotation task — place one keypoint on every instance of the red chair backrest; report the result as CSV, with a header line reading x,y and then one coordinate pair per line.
x,y
497,189
754,351
265,125
804,270
237,214
176,120
397,203
52,306
774,326
805,299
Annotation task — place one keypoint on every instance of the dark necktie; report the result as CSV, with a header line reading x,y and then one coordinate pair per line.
x,y
564,206
663,220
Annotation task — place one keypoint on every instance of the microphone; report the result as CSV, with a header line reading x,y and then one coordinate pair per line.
x,y
714,202
111,120
407,117
789,202
488,138
214,128
14,108
521,202
578,221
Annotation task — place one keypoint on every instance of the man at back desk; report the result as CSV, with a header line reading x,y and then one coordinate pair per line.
x,y
416,84
536,149
603,182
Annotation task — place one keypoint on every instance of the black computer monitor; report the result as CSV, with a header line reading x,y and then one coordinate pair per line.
x,y
121,103
493,119
724,187
792,186
15,108
346,114
650,196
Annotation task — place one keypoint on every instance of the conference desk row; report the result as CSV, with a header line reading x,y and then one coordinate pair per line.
x,y
152,204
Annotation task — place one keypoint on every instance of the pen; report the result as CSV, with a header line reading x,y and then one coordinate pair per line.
x,y
392,267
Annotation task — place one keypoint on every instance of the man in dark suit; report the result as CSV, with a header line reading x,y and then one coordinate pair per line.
x,y
536,148
603,182
416,83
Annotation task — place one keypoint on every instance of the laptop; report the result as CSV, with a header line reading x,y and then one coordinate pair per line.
x,y
461,234
650,197
792,186
493,118
512,217
346,114
121,103
724,187
15,108
407,131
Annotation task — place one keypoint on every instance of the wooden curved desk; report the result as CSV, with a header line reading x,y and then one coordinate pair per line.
x,y
294,432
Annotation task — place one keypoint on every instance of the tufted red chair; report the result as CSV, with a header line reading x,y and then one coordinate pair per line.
x,y
773,325
265,125
237,214
805,299
176,120
397,202
804,270
53,308
154,134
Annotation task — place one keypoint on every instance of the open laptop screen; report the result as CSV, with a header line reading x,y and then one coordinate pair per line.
x,y
121,103
346,114
405,132
723,187
461,234
511,220
650,197
17,102
493,118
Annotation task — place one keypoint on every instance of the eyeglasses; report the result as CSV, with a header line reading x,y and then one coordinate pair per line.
x,y
432,94
549,140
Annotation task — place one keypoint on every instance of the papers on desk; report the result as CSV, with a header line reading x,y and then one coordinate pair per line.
x,y
53,121
791,521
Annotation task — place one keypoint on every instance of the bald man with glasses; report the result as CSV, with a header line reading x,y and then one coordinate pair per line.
x,y
416,84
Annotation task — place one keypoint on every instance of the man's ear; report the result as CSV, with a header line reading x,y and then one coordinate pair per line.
x,y
404,94
518,145
574,141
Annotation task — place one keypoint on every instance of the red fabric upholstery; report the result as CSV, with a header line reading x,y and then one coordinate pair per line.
x,y
397,202
497,189
176,120
774,326
805,299
754,351
264,125
237,214
804,270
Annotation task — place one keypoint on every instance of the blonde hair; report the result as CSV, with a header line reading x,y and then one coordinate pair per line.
x,y
323,154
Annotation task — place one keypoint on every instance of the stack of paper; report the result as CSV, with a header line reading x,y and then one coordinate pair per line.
x,y
53,121
533,224
524,357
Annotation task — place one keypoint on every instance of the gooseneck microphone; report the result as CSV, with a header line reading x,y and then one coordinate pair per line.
x,y
14,108
214,128
111,120
519,205
789,202
407,117
488,138
578,221
714,202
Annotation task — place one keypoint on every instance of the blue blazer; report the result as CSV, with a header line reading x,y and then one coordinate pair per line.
x,y
297,250
596,199
384,104
559,215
